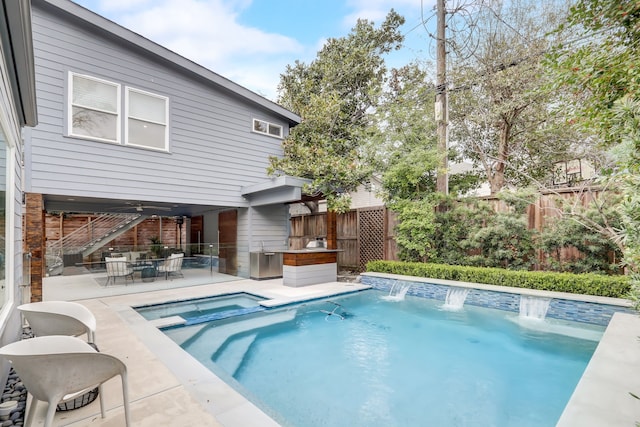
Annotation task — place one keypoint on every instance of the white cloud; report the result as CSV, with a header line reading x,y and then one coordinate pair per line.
x,y
371,14
208,33
122,5
205,31
376,10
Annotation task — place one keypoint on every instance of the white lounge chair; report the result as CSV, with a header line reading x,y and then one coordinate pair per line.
x,y
118,267
55,369
60,318
172,266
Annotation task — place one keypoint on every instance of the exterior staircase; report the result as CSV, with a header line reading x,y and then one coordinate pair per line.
x,y
93,236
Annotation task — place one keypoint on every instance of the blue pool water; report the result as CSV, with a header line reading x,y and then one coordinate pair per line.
x,y
365,361
201,307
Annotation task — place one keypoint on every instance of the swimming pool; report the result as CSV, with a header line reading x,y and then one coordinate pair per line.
x,y
361,360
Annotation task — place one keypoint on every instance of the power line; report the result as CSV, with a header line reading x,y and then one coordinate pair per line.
x,y
499,18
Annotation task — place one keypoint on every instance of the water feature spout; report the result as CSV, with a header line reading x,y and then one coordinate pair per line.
x,y
533,307
455,298
398,291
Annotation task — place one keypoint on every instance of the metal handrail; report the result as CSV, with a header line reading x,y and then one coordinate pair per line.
x,y
92,232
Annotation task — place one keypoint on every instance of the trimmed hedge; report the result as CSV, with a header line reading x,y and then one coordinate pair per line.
x,y
586,284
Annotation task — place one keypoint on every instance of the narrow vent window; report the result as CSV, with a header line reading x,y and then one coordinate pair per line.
x,y
266,128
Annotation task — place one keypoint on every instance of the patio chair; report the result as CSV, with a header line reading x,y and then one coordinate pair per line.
x,y
55,265
59,318
57,368
172,266
118,267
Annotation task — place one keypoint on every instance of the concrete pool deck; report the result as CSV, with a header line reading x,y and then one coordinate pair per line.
x,y
602,397
169,388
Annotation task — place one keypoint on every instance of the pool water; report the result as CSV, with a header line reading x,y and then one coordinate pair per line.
x,y
196,308
365,361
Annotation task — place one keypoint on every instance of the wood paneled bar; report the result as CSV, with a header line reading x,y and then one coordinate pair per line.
x,y
306,257
309,267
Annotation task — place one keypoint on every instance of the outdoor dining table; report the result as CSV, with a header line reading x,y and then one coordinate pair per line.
x,y
148,268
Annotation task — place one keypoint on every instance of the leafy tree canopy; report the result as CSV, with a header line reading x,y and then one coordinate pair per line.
x,y
601,69
335,95
406,145
601,64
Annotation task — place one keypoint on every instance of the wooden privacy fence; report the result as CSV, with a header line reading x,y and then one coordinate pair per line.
x,y
368,234
363,235
547,208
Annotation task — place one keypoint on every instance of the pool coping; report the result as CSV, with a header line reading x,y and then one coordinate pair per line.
x,y
602,396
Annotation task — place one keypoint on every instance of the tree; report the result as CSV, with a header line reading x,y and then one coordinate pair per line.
x,y
626,120
406,154
602,72
600,64
501,117
406,146
335,95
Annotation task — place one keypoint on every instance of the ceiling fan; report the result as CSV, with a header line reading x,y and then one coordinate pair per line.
x,y
140,207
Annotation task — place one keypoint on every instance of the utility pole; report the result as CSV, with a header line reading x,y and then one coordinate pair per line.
x,y
442,110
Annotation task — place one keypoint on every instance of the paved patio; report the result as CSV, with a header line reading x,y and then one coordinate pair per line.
x,y
167,386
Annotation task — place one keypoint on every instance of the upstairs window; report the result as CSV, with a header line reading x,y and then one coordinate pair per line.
x,y
94,108
266,128
146,123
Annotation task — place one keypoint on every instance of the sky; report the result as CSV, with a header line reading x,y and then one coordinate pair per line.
x,y
252,41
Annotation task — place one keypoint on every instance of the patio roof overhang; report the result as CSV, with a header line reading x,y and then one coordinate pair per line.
x,y
283,189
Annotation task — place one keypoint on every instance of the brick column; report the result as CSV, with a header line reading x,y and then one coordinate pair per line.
x,y
34,241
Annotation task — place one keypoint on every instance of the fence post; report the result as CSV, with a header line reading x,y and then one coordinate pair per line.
x,y
332,230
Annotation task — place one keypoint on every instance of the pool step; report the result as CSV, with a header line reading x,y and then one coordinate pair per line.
x,y
165,322
231,358
210,340
210,317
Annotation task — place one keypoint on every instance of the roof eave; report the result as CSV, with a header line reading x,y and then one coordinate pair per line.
x,y
282,189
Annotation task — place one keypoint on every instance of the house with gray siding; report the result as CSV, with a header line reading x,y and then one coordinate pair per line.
x,y
126,125
17,110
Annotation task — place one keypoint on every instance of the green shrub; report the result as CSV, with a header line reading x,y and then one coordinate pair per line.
x,y
587,284
584,228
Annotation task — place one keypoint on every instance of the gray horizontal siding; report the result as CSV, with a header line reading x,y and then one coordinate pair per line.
x,y
264,226
269,227
213,152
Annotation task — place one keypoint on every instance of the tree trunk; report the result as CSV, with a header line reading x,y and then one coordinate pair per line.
x,y
496,180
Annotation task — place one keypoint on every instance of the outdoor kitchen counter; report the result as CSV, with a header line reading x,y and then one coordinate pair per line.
x,y
305,267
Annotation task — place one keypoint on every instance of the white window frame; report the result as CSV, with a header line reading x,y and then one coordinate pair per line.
x,y
127,117
12,140
70,106
268,125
